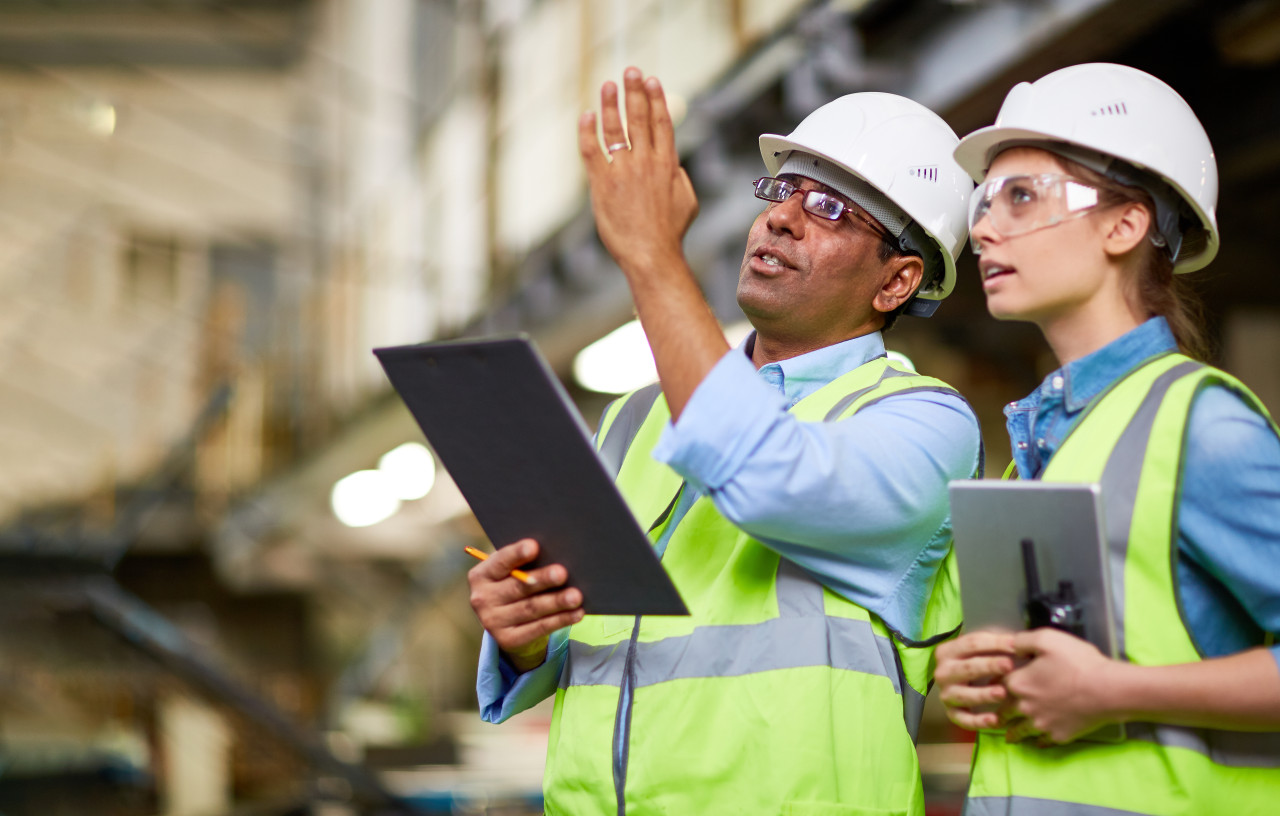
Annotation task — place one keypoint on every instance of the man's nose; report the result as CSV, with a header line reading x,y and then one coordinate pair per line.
x,y
789,216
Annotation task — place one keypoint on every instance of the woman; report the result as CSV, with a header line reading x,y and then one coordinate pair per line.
x,y
1098,186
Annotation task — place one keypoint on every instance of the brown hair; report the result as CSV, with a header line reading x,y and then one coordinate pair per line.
x,y
1159,291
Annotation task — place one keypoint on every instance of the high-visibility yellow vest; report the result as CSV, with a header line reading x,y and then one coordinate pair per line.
x,y
775,695
1131,441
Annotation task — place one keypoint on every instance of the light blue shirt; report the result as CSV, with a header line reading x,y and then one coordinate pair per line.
x,y
1229,516
860,503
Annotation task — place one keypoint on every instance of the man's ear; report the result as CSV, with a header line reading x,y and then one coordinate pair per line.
x,y
905,273
1126,227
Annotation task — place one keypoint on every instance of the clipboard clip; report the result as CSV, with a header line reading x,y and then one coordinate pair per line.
x,y
1059,609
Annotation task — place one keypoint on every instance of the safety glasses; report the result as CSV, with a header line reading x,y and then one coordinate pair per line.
x,y
1017,205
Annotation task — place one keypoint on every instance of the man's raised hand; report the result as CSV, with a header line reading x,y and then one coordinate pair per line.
x,y
642,199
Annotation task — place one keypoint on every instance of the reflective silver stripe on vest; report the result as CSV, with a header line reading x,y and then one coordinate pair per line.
x,y
1236,749
799,594
734,651
1027,806
626,425
1120,480
850,399
912,710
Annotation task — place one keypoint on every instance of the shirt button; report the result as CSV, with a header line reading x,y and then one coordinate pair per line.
x,y
1057,383
1022,446
1039,443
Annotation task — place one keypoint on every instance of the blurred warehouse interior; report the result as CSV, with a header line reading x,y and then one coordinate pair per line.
x,y
211,211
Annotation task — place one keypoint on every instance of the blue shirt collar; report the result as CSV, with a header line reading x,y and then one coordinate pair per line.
x,y
1082,380
798,377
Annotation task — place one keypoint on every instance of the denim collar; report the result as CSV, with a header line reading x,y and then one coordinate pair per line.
x,y
798,377
1082,380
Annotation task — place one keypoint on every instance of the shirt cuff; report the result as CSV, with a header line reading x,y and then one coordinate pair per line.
x,y
727,416
503,692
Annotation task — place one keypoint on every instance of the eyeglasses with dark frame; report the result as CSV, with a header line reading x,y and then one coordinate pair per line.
x,y
824,205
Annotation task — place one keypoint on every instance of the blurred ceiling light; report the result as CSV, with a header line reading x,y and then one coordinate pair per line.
x,y
410,470
365,497
100,118
901,358
619,362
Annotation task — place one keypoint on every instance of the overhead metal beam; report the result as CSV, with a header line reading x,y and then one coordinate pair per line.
x,y
239,34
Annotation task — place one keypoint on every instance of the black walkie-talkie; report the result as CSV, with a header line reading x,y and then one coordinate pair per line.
x,y
1060,610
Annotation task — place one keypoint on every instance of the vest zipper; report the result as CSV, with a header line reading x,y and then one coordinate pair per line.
x,y
622,719
622,722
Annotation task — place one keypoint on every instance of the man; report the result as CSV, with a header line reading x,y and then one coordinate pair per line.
x,y
796,488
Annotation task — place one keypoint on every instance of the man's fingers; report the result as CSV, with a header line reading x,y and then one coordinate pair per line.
x,y
523,611
637,100
544,578
589,143
494,590
510,557
611,118
530,632
664,134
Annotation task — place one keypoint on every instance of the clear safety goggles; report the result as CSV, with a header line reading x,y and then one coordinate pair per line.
x,y
1017,205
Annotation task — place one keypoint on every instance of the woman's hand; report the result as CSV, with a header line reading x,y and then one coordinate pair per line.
x,y
968,674
1059,692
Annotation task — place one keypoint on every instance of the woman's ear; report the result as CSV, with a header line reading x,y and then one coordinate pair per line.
x,y
1127,226
904,278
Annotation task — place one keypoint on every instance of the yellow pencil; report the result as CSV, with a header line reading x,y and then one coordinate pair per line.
x,y
519,575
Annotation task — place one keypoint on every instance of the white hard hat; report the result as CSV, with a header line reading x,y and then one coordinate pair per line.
x,y
1098,112
904,151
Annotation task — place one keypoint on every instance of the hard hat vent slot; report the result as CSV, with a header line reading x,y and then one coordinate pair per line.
x,y
926,173
1113,109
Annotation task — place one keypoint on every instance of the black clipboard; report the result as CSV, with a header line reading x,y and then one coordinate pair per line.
x,y
512,440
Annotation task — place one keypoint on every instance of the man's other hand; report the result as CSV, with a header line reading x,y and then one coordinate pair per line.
x,y
520,616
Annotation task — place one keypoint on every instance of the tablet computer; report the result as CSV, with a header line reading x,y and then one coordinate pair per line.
x,y
1015,539
511,438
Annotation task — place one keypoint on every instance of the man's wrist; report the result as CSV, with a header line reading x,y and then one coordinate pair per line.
x,y
529,657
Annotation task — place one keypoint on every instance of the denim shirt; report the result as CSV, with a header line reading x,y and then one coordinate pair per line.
x,y
860,503
1228,568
